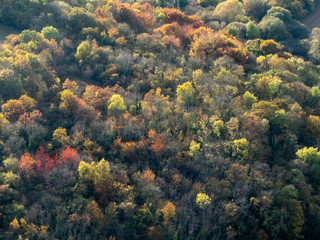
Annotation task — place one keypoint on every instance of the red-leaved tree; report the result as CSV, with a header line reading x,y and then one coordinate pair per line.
x,y
45,162
69,155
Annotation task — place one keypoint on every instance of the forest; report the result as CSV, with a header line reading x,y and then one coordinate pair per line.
x,y
159,120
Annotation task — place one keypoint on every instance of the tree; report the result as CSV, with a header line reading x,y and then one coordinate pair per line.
x,y
27,164
194,148
229,11
95,211
83,54
156,109
309,155
241,150
69,155
116,105
98,177
313,128
207,3
312,157
233,126
218,127
92,148
207,44
62,180
175,15
3,121
31,117
315,95
11,179
287,220
281,13
314,51
96,173
79,18
147,177
131,151
255,8
270,47
13,109
299,9
268,86
169,212
51,33
161,3
231,210
203,200
186,94
44,161
67,100
28,102
253,31
71,85
60,136
86,171
27,36
249,99
274,28
11,163
101,173
157,143
10,84
97,97
298,29
15,225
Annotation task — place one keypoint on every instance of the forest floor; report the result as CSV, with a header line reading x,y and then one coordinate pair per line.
x,y
5,31
313,20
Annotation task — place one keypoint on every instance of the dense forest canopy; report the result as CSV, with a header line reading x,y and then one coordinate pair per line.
x,y
159,119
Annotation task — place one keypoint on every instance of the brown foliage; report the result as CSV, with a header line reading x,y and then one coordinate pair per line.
x,y
207,43
13,109
95,211
148,176
171,29
132,151
139,20
156,141
155,233
155,103
172,41
71,85
97,97
69,155
84,111
34,116
174,15
169,212
27,164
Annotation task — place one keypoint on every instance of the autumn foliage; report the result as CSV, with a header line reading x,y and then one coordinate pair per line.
x,y
139,20
159,120
207,43
44,161
68,155
27,164
13,109
156,141
174,15
148,176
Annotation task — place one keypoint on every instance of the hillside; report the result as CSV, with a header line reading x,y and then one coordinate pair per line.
x,y
5,31
313,19
159,120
